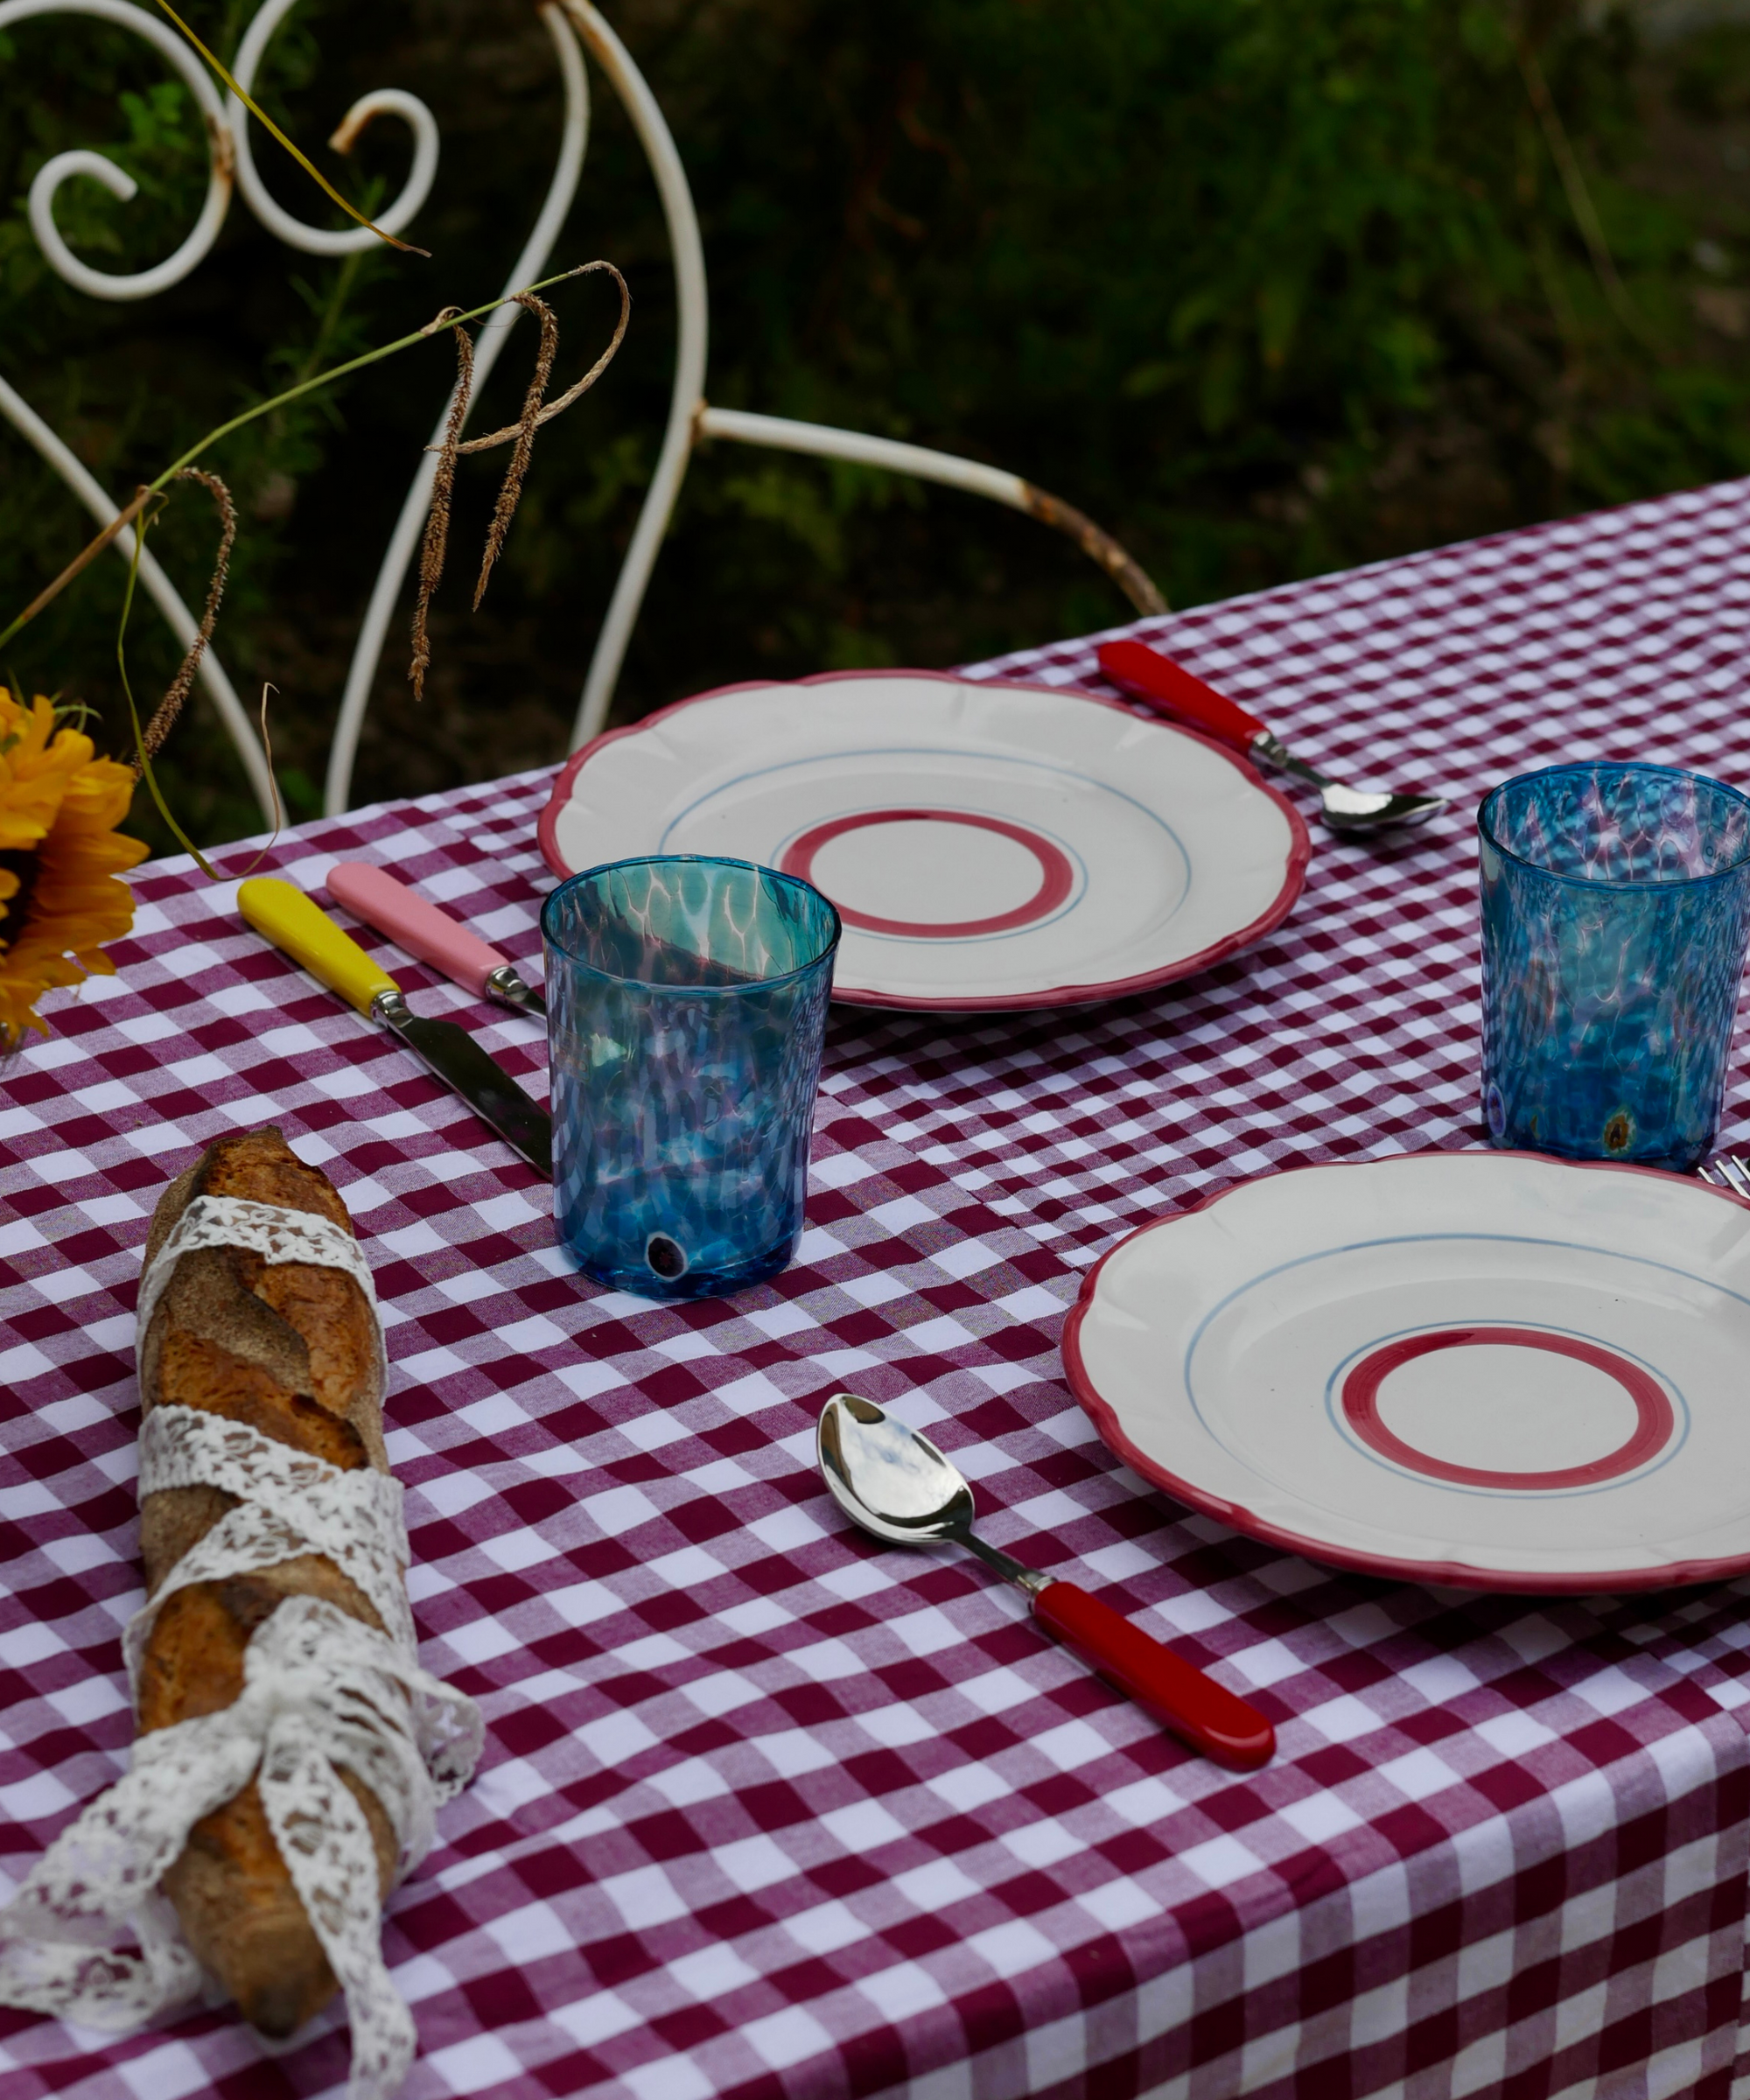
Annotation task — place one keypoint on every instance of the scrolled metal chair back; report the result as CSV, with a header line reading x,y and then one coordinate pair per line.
x,y
573,26
232,166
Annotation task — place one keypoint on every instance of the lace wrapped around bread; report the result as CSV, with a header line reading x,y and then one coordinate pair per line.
x,y
290,1750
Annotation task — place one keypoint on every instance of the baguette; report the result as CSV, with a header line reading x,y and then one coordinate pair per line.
x,y
292,1350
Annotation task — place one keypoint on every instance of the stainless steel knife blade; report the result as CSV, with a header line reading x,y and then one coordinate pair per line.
x,y
489,1090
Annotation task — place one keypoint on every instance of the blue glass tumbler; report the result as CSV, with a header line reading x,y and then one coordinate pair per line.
x,y
686,1003
1615,908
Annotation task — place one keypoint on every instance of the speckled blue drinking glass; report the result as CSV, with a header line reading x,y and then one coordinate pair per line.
x,y
1615,907
686,1002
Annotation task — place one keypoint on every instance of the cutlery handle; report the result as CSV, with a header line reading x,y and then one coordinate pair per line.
x,y
414,923
1194,1706
1147,675
297,924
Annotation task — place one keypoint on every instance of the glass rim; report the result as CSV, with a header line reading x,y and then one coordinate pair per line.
x,y
1613,882
710,860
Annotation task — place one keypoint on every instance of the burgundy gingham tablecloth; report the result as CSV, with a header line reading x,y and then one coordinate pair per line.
x,y
768,1811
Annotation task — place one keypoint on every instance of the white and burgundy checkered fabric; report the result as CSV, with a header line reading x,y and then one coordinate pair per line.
x,y
772,1813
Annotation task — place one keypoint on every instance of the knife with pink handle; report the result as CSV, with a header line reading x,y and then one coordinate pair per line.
x,y
417,925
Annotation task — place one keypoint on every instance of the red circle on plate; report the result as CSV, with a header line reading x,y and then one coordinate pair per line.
x,y
1057,877
1653,1419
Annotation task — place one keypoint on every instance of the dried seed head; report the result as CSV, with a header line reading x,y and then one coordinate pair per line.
x,y
164,714
510,492
535,411
558,408
442,490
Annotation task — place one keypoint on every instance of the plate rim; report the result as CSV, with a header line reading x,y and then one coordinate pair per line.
x,y
1462,1575
1294,871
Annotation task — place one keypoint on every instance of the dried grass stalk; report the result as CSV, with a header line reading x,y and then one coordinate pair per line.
x,y
511,492
521,432
256,410
164,714
558,408
442,490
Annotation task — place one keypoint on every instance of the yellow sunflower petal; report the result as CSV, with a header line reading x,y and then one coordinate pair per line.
x,y
58,796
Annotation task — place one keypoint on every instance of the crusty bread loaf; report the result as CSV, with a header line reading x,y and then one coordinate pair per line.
x,y
290,1350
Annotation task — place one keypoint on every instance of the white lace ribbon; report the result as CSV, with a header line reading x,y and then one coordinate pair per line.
x,y
288,1502
269,1229
322,1692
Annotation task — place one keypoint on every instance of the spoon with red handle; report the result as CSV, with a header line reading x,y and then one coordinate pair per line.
x,y
898,1487
414,923
1159,683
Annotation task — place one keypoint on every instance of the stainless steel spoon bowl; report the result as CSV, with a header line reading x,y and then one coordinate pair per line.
x,y
1346,808
895,1483
898,1487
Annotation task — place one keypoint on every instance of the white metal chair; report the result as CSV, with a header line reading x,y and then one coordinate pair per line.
x,y
572,25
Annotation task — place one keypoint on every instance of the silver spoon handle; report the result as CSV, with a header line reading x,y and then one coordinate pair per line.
x,y
1010,1571
1275,752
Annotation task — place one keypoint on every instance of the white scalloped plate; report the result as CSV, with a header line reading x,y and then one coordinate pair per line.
x,y
1490,1369
988,845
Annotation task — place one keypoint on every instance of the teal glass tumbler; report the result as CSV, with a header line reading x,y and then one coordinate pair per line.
x,y
1615,910
686,1003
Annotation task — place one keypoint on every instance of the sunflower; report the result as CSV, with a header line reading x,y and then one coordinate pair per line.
x,y
59,857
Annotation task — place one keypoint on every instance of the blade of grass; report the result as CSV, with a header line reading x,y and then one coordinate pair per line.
x,y
273,782
1580,198
263,119
88,553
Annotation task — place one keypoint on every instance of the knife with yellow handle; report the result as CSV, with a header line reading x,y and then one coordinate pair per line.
x,y
297,924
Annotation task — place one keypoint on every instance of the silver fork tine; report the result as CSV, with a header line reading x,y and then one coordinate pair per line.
x,y
1711,1174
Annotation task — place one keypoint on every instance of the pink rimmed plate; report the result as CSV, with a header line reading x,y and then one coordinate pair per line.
x,y
1489,1369
988,845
